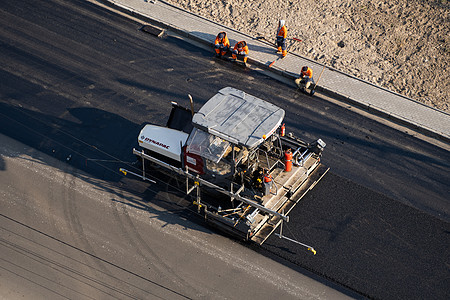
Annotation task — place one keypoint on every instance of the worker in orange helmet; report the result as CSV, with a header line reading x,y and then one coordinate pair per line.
x,y
221,44
281,38
305,79
240,50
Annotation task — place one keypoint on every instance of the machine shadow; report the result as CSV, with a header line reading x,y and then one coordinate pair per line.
x,y
93,144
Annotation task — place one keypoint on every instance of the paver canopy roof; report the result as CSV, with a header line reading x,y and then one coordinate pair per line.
x,y
238,117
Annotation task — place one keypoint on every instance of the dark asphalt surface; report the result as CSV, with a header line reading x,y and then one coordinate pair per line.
x,y
368,242
79,82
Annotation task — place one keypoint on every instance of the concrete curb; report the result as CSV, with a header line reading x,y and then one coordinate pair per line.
x,y
289,75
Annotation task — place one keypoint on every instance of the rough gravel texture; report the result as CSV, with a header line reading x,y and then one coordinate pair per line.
x,y
401,45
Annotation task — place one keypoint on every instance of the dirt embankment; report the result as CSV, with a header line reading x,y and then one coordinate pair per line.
x,y
402,45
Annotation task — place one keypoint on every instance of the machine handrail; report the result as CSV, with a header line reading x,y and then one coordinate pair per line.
x,y
211,185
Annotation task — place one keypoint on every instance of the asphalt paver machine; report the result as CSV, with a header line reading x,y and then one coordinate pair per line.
x,y
244,173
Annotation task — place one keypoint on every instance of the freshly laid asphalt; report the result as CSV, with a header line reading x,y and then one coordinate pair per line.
x,y
364,239
367,242
375,99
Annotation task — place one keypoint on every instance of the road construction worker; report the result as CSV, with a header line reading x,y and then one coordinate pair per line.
x,y
281,38
306,78
240,50
221,44
267,182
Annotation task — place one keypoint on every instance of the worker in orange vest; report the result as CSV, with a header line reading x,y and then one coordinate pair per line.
x,y
240,50
281,38
267,182
306,78
221,44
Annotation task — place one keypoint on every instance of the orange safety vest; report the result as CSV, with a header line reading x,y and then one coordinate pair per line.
x,y
282,32
223,41
243,48
267,177
307,72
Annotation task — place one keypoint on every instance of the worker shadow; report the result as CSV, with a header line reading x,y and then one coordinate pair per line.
x,y
92,145
261,47
337,229
201,37
288,250
2,164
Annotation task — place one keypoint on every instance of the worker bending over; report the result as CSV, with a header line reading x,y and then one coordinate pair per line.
x,y
240,50
306,78
281,38
221,44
